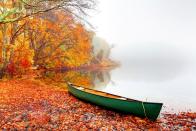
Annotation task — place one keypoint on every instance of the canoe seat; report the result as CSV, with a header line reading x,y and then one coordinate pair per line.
x,y
80,88
122,98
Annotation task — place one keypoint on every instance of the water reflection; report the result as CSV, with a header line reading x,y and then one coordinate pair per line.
x,y
176,92
96,79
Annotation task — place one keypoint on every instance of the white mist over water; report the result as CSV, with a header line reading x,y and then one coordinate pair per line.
x,y
156,45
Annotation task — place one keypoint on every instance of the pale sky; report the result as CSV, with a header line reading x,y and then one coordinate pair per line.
x,y
130,24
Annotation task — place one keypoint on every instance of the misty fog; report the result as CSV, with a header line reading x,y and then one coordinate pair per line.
x,y
155,41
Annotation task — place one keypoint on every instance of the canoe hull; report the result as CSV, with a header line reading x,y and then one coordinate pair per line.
x,y
138,108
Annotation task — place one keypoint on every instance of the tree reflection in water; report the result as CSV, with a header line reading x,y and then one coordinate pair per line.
x,y
95,79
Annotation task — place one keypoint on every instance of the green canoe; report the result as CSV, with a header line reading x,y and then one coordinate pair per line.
x,y
142,109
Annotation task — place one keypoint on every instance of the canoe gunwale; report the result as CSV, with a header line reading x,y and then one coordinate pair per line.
x,y
126,99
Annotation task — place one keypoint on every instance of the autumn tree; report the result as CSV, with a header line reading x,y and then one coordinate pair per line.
x,y
58,43
15,12
81,53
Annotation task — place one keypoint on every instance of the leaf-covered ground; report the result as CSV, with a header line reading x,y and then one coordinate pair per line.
x,y
32,105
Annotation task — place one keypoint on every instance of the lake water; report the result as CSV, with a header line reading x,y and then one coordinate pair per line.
x,y
158,73
175,89
152,72
178,93
148,72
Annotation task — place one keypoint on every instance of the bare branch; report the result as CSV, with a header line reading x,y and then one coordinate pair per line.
x,y
34,7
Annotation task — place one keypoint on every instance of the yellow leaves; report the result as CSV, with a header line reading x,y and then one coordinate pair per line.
x,y
6,5
22,50
65,45
80,54
23,55
52,42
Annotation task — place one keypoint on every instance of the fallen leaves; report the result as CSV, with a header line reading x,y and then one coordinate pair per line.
x,y
30,105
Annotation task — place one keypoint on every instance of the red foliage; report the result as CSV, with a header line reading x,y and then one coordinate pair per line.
x,y
11,69
39,118
25,63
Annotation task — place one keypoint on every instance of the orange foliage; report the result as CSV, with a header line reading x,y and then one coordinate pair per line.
x,y
81,52
22,57
52,40
60,43
16,54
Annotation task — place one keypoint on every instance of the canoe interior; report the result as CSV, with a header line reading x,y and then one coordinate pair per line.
x,y
100,93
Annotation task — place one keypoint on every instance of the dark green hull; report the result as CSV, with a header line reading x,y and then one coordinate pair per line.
x,y
138,108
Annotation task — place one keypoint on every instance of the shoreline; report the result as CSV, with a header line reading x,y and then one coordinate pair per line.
x,y
32,104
